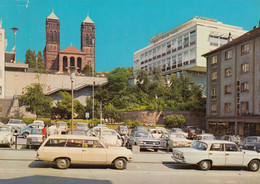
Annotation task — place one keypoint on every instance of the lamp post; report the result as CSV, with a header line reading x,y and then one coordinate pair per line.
x,y
72,70
14,29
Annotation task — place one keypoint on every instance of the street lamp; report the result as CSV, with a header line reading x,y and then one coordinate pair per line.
x,y
14,29
72,70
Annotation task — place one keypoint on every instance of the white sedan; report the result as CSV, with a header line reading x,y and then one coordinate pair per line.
x,y
6,135
209,153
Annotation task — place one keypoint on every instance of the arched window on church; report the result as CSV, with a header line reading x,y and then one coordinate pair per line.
x,y
79,64
51,36
55,36
72,61
65,64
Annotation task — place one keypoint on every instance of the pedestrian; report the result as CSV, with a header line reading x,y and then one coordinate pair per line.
x,y
58,130
44,132
52,129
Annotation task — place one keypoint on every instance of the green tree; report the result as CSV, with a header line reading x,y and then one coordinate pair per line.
x,y
40,63
174,121
143,81
117,80
111,112
35,100
30,58
63,107
87,70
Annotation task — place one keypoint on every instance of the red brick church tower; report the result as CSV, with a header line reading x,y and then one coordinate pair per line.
x,y
88,41
52,46
59,60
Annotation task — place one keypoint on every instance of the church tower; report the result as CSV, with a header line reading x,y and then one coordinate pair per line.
x,y
88,41
52,47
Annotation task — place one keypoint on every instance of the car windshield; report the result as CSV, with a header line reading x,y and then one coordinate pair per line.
x,y
4,129
209,138
143,134
252,139
200,146
36,131
108,133
177,136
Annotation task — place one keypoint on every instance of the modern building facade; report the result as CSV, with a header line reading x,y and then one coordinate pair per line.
x,y
233,95
3,43
59,60
180,49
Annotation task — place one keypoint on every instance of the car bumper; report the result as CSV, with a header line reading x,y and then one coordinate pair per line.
x,y
178,160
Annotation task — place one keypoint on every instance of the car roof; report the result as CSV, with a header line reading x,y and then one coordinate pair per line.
x,y
205,135
73,137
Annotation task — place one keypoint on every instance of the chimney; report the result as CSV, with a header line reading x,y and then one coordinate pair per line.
x,y
229,37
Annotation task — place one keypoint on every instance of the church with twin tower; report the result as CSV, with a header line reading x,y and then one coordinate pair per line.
x,y
60,60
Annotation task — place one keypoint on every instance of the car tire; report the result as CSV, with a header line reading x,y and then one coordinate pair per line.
x,y
120,163
25,134
62,163
155,150
204,165
253,165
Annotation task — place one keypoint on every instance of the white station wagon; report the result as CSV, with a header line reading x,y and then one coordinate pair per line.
x,y
67,149
217,153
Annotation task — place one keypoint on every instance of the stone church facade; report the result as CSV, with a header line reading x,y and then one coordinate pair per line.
x,y
59,60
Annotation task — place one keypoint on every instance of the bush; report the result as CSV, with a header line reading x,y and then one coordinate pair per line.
x,y
132,123
174,121
93,122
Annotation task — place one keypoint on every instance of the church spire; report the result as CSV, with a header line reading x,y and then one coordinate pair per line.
x,y
88,19
52,15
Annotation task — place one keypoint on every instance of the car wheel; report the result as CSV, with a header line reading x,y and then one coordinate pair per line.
x,y
156,150
253,165
25,134
120,163
204,165
62,163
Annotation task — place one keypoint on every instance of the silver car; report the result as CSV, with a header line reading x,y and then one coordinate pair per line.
x,y
6,135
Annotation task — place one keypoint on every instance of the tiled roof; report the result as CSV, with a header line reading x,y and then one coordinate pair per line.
x,y
71,50
243,38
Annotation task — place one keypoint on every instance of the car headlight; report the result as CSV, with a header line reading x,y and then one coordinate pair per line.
x,y
140,142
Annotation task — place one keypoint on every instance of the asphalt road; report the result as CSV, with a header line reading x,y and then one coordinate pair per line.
x,y
12,171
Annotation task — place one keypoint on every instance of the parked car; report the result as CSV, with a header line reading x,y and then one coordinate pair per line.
x,y
70,149
96,130
16,124
26,131
77,132
6,135
110,138
141,129
144,140
179,130
38,122
232,138
204,137
209,153
35,138
173,140
157,132
63,126
122,130
83,126
251,143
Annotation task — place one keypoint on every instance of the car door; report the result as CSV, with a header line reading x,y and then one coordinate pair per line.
x,y
233,155
93,152
217,154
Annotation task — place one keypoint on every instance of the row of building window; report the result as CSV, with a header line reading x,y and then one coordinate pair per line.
x,y
228,72
228,107
217,41
229,55
244,87
179,43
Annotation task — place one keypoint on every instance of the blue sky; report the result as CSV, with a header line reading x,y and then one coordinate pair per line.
x,y
122,26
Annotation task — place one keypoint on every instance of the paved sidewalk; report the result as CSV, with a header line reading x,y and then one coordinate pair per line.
x,y
142,157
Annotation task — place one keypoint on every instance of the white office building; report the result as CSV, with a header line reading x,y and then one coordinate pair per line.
x,y
180,49
3,43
